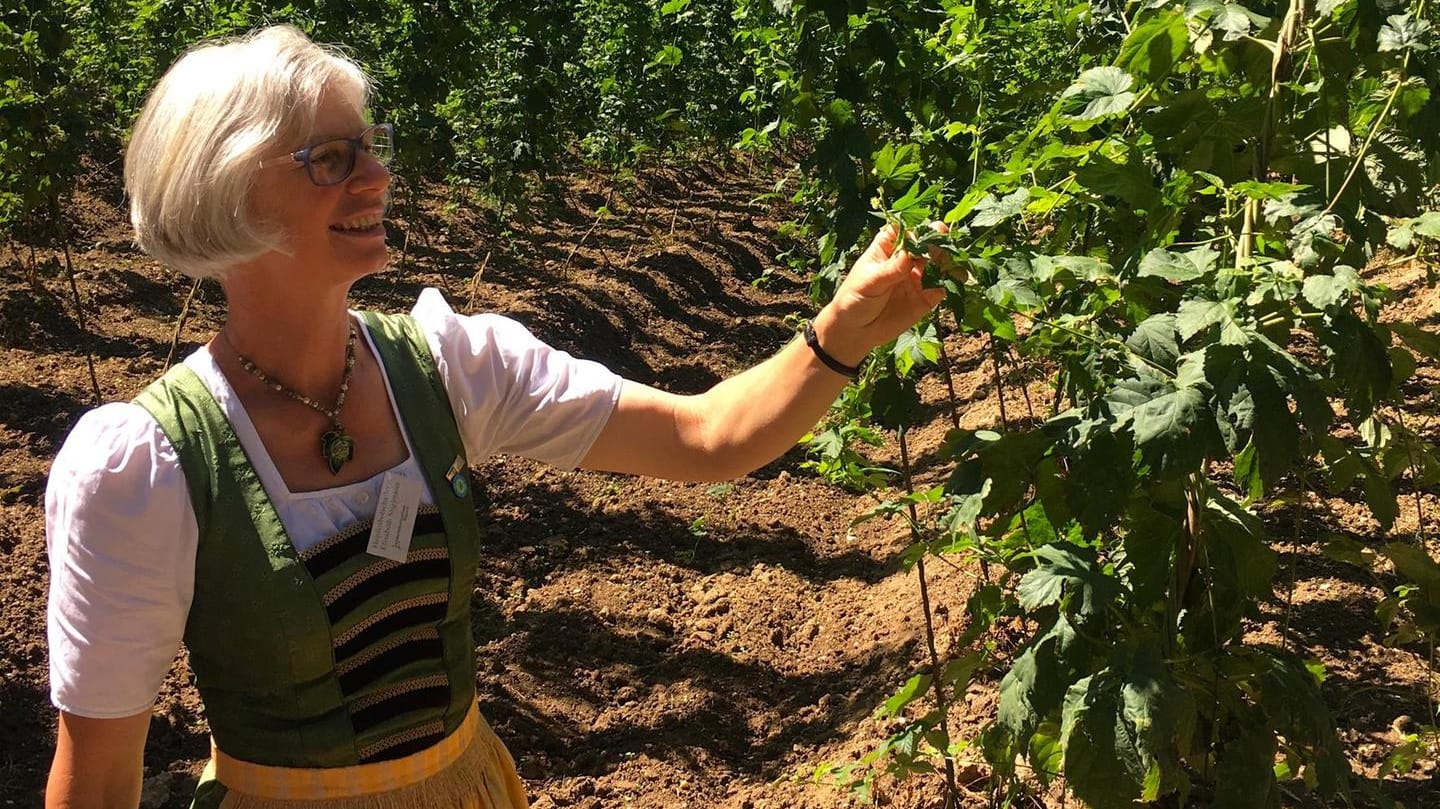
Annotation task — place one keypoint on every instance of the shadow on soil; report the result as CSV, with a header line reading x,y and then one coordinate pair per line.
x,y
655,532
26,707
46,412
713,716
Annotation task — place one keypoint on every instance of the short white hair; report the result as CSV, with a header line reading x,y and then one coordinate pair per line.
x,y
197,144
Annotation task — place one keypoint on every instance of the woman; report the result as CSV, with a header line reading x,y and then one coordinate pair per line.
x,y
292,501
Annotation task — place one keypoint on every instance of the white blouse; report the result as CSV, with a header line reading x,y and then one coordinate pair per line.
x,y
122,534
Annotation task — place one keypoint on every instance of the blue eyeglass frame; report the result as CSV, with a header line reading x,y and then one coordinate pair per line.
x,y
357,145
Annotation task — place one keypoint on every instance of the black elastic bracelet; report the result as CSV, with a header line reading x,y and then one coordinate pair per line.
x,y
830,362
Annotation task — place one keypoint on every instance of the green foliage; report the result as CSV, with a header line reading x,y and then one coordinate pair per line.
x,y
43,119
1170,221
1099,93
486,95
832,450
851,75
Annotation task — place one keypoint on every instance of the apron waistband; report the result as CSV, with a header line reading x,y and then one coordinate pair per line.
x,y
326,783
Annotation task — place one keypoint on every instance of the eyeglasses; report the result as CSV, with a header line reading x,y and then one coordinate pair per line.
x,y
333,161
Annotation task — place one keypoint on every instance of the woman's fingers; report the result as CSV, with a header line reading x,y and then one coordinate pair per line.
x,y
886,245
886,266
890,271
883,245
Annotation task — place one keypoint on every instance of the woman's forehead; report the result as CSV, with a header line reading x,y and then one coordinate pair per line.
x,y
336,117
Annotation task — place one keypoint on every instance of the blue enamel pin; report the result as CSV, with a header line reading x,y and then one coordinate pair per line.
x,y
459,480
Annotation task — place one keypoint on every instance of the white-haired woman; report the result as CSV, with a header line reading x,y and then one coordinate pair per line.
x,y
292,501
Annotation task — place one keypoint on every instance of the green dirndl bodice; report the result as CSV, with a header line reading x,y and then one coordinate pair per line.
x,y
331,657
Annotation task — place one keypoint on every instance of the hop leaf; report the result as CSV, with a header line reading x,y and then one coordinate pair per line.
x,y
1171,429
1324,291
1153,47
1155,340
1402,32
1403,231
897,166
1267,191
668,56
1233,19
1036,682
1425,342
1198,315
1100,92
991,211
1287,207
895,402
916,346
1117,730
1070,572
1173,266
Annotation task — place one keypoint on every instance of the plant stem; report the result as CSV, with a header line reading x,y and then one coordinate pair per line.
x,y
1430,681
999,387
80,318
1278,64
1246,244
1420,536
1005,423
1213,239
1024,388
977,142
593,225
675,217
1186,554
1286,641
1209,581
1377,125
180,324
945,372
1312,54
951,792
475,280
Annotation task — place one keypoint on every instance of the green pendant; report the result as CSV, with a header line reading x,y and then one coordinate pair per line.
x,y
338,448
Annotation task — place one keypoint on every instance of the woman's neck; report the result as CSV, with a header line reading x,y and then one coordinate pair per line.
x,y
295,333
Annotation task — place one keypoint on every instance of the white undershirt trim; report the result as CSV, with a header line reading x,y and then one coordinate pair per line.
x,y
300,522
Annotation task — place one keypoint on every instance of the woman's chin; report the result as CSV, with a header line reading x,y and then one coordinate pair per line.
x,y
371,266
381,262
366,260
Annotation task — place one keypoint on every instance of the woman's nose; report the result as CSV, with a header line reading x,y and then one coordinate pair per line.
x,y
369,175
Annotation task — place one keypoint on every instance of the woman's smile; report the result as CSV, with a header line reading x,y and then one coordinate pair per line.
x,y
365,226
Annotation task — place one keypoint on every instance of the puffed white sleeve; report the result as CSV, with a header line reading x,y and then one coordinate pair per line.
x,y
512,393
121,536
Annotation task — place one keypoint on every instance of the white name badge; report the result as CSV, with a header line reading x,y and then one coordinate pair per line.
x,y
394,524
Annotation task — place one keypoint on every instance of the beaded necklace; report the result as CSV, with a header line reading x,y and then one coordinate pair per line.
x,y
336,446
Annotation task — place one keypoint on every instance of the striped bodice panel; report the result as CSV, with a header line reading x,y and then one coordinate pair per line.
x,y
386,621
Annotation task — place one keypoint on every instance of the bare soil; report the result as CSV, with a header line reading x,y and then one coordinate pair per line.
x,y
641,643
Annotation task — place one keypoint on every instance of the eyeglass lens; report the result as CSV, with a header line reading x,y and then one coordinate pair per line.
x,y
332,162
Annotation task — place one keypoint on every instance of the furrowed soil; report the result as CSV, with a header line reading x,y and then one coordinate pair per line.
x,y
643,643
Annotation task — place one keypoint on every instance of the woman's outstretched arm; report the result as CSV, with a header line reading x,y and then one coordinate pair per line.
x,y
750,419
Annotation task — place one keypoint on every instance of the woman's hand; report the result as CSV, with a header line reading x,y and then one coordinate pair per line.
x,y
881,297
